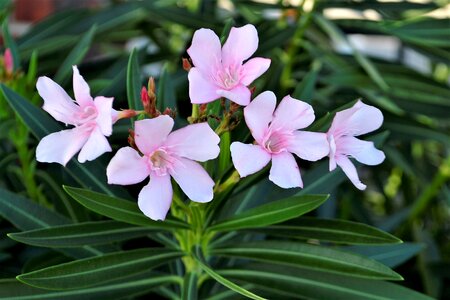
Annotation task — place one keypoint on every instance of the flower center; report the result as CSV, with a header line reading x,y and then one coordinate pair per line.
x,y
88,114
228,77
161,162
276,141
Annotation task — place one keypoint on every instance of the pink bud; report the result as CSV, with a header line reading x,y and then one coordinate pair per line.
x,y
8,59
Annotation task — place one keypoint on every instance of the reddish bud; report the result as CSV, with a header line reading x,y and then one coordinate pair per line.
x,y
186,64
8,60
169,112
125,114
145,98
203,108
252,89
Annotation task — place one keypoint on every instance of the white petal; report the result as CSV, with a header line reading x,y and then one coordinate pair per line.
x,y
105,114
151,133
155,198
284,171
310,146
127,167
292,114
248,159
350,170
81,89
95,146
363,151
259,113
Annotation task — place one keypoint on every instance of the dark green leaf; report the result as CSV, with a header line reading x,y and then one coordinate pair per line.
x,y
190,291
11,44
134,82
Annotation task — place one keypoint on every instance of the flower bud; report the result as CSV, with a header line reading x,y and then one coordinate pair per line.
x,y
8,60
186,64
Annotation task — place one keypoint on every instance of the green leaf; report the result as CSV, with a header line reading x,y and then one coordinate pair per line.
x,y
134,82
305,90
225,153
304,284
32,68
337,231
309,257
390,255
11,44
190,291
119,209
271,213
225,282
99,270
80,234
75,56
165,92
12,289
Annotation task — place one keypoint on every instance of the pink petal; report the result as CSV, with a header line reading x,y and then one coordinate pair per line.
x,y
151,133
81,89
310,146
56,101
248,159
357,120
332,154
259,113
61,146
197,142
193,180
201,90
350,170
284,171
254,68
363,151
239,94
95,146
205,51
241,43
104,114
292,114
127,167
155,198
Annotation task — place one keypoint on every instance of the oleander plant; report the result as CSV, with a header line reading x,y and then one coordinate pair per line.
x,y
226,150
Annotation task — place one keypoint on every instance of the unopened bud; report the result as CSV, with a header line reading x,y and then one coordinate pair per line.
x,y
145,98
125,114
8,60
151,87
186,64
203,108
169,112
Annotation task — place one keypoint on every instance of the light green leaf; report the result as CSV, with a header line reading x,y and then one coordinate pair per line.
x,y
271,213
190,291
98,270
119,209
81,234
309,257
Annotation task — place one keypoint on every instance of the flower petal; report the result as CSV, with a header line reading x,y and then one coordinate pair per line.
x,y
95,146
239,94
254,68
332,154
197,142
104,114
259,113
61,146
193,180
151,133
155,198
241,43
292,114
201,90
205,51
363,151
248,159
56,101
127,167
350,170
81,89
357,120
310,146
284,171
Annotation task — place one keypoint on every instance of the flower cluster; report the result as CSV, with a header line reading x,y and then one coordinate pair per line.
x,y
161,154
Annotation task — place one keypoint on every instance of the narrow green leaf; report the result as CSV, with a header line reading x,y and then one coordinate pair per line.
x,y
309,257
305,90
80,234
337,231
119,209
190,291
32,68
11,44
292,283
225,153
226,30
12,289
165,92
99,270
225,282
134,81
75,56
271,213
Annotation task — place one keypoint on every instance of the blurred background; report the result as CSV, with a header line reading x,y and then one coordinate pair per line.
x,y
393,54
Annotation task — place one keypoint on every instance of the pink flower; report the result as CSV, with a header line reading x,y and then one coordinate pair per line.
x,y
220,72
166,154
357,120
92,119
8,60
277,137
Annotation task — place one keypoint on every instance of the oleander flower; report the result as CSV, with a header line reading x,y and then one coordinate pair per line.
x,y
220,71
166,155
357,120
277,136
92,120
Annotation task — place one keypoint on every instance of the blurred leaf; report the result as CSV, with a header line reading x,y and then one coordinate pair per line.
x,y
11,44
134,82
190,287
305,90
119,209
271,213
32,68
76,235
